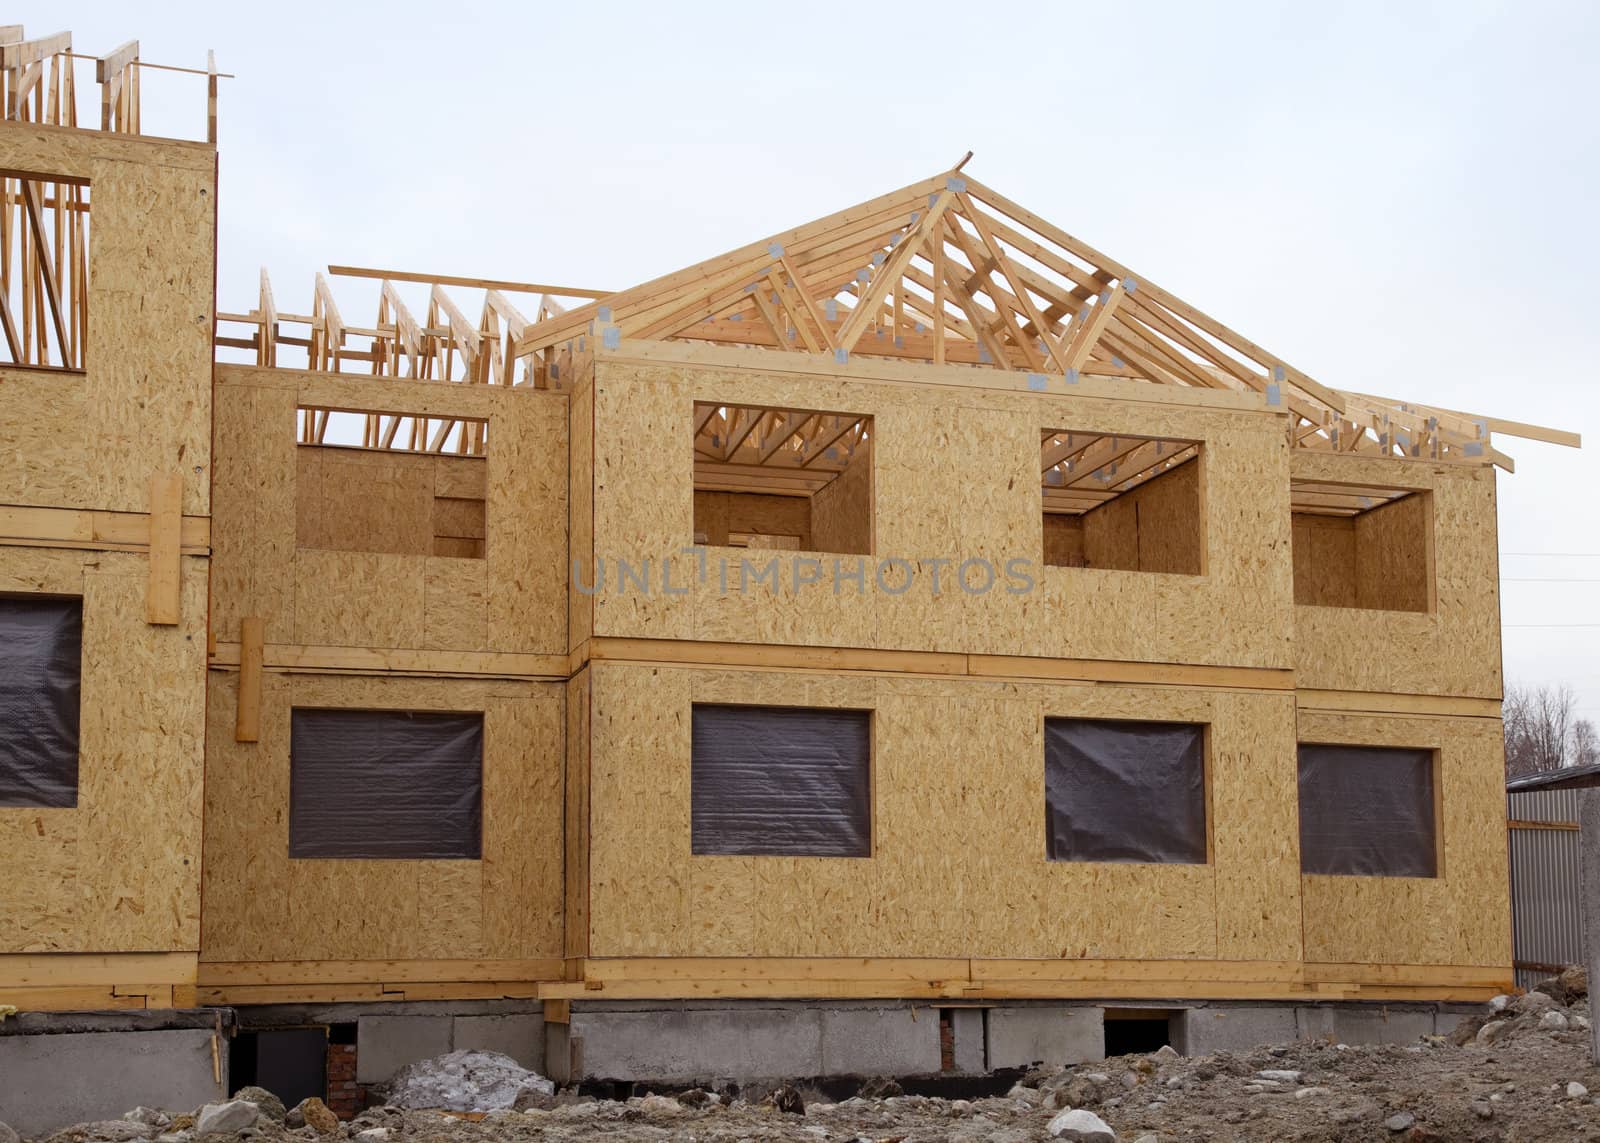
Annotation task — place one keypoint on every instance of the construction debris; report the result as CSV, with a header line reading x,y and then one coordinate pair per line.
x,y
467,1080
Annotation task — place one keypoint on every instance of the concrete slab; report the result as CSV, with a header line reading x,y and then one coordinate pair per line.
x,y
967,1026
1049,1034
879,1042
683,1046
1218,1029
49,1082
385,1044
520,1037
1346,1025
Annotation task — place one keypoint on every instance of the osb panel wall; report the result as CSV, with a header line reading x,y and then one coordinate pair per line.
x,y
1453,649
261,905
1157,527
119,872
841,510
1393,556
93,440
956,477
1324,560
1063,541
357,500
1463,915
581,475
576,836
513,599
958,865
718,513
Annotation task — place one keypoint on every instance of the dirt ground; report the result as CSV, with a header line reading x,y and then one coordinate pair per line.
x,y
1520,1074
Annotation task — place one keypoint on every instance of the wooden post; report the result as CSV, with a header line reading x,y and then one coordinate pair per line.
x,y
162,598
247,723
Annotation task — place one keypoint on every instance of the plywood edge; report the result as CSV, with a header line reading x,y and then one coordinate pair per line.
x,y
355,993
355,393
106,146
1114,671
96,998
78,970
845,978
766,363
995,668
95,530
690,652
1375,702
220,974
779,978
312,659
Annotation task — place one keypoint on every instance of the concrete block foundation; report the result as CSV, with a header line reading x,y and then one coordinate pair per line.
x,y
52,1081
1045,1034
385,1044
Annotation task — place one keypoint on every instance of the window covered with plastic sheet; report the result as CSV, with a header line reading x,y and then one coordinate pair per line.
x,y
1124,791
385,784
793,781
41,656
1367,811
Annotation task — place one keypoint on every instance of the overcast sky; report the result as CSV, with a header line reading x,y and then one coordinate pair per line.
x,y
1397,198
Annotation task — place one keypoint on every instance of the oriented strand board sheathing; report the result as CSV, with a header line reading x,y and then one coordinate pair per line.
x,y
141,407
580,510
955,477
576,817
1394,556
1063,540
506,906
527,523
958,781
1452,650
348,558
718,513
254,517
364,501
1460,917
841,510
120,871
1324,560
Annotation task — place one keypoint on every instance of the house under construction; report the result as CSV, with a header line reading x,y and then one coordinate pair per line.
x,y
911,643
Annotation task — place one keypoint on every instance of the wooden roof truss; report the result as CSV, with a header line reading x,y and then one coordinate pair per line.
x,y
949,271
741,448
435,342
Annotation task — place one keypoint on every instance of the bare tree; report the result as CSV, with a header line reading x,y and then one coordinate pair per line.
x,y
1540,731
1585,743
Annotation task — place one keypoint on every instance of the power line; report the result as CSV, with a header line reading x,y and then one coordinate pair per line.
x,y
1543,579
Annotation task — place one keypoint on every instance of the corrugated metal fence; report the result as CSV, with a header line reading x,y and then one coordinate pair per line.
x,y
1547,929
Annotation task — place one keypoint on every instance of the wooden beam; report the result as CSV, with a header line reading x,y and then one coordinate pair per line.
x,y
471,283
46,271
247,723
162,596
1087,335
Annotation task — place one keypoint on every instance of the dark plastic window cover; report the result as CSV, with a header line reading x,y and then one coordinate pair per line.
x,y
1367,811
1124,791
385,784
41,657
790,781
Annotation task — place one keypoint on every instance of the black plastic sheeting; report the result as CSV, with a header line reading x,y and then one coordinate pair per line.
x,y
385,784
41,655
1367,811
1124,791
781,780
